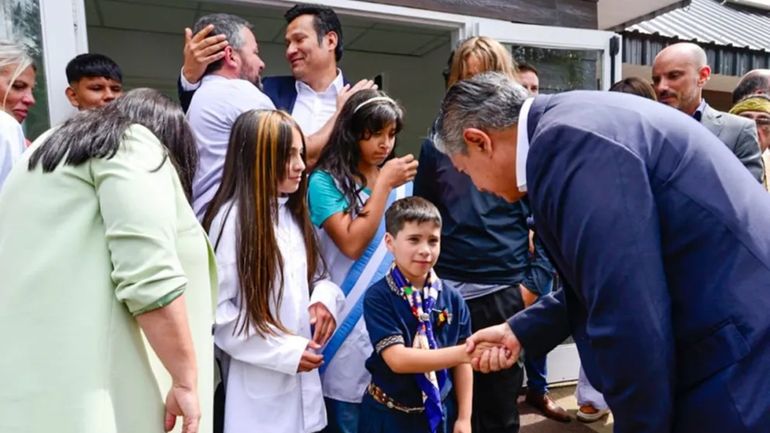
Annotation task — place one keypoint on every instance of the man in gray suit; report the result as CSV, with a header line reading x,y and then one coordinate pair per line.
x,y
678,75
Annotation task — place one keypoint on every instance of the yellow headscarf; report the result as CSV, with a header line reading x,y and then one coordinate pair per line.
x,y
752,103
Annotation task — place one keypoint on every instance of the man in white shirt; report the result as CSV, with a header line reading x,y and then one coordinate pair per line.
x,y
316,90
11,144
229,87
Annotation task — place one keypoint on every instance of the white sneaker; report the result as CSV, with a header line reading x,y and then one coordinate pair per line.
x,y
588,413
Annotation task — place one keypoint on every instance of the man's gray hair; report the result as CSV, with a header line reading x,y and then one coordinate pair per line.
x,y
489,101
224,24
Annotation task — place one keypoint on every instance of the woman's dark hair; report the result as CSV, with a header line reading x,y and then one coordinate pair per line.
x,y
341,156
257,159
98,133
635,86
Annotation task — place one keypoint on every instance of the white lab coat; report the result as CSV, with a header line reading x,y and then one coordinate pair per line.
x,y
264,391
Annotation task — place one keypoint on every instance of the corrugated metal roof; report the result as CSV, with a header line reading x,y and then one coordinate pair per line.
x,y
711,22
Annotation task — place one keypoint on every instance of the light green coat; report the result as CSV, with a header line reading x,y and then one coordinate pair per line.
x,y
82,251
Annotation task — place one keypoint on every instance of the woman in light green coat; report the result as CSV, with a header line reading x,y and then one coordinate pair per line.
x,y
98,242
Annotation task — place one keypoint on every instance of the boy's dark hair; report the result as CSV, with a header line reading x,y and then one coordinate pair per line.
x,y
325,20
93,65
526,67
408,210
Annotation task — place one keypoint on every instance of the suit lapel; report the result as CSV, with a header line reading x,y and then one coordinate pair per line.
x,y
712,120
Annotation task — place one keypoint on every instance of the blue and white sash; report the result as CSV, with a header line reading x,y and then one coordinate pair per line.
x,y
367,270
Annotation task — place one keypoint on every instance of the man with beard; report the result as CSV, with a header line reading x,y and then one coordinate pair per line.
x,y
678,75
230,86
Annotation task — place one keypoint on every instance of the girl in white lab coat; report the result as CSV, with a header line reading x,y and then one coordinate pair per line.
x,y
274,312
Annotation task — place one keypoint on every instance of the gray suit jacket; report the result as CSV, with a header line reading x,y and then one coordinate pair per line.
x,y
739,135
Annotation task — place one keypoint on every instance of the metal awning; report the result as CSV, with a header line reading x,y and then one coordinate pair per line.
x,y
619,14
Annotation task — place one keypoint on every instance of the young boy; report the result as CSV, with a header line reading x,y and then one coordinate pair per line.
x,y
417,329
94,79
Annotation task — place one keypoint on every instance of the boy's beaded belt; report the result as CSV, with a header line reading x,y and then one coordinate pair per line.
x,y
380,397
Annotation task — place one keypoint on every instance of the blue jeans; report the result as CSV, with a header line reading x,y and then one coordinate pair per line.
x,y
536,372
342,416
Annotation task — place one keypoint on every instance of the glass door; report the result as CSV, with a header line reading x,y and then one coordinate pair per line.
x,y
566,59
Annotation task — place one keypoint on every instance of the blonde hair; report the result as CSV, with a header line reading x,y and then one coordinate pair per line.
x,y
491,55
14,57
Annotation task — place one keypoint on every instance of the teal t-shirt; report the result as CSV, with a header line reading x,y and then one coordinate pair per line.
x,y
324,198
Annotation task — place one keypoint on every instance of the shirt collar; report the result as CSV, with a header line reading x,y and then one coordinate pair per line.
x,y
522,146
698,114
337,84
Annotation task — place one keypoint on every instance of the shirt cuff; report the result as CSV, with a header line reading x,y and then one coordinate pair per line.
x,y
186,85
330,296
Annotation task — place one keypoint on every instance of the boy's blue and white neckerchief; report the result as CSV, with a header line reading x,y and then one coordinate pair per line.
x,y
421,302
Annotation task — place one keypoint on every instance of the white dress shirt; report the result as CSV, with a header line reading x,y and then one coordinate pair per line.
x,y
212,113
264,391
313,109
522,146
11,144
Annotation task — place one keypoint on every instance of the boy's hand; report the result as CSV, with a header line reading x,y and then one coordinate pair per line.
x,y
480,348
310,360
462,425
200,51
494,359
399,171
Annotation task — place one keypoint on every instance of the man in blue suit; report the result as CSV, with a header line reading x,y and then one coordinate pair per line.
x,y
660,235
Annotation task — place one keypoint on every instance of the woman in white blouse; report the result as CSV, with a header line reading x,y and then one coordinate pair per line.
x,y
274,312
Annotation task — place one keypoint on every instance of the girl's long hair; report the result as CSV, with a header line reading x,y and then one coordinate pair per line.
x,y
98,133
257,159
341,156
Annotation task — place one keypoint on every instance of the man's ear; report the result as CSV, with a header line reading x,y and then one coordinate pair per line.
x,y
72,97
704,73
229,58
331,39
477,140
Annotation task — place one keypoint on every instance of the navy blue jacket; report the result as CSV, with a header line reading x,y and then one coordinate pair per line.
x,y
663,240
484,239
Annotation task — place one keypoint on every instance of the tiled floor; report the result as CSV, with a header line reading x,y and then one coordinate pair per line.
x,y
533,422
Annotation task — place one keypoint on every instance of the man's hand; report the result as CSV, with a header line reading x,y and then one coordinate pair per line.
x,y
347,91
324,323
462,426
496,358
182,401
310,360
200,51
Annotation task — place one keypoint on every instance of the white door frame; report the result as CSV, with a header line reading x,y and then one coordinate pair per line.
x,y
63,28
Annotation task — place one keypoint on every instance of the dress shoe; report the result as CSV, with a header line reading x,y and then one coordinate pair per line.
x,y
588,413
548,407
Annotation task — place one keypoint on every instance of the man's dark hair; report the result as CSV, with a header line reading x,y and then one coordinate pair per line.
x,y
757,81
93,65
526,67
410,210
325,20
224,24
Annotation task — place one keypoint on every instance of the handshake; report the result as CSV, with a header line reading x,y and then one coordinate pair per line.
x,y
493,349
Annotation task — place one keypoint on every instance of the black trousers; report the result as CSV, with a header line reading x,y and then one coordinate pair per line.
x,y
494,394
